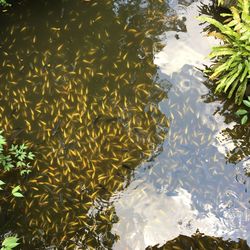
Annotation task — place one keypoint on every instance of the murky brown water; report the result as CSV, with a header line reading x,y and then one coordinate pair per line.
x,y
132,149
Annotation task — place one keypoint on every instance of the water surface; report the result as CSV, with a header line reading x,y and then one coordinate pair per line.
x,y
132,148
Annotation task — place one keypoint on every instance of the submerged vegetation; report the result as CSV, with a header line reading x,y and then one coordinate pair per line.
x,y
231,61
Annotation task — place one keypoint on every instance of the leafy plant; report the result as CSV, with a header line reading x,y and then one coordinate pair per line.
x,y
231,60
15,191
244,112
16,157
9,243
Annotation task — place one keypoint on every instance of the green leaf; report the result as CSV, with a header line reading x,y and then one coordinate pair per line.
x,y
10,242
221,51
15,189
225,14
232,34
31,156
247,103
19,164
1,183
247,48
244,37
232,61
22,172
233,78
245,10
232,23
239,27
214,22
17,194
2,140
240,92
224,80
235,84
244,119
13,147
243,76
219,70
241,112
236,14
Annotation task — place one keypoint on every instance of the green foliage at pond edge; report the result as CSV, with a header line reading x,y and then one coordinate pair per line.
x,y
10,243
244,112
231,60
14,158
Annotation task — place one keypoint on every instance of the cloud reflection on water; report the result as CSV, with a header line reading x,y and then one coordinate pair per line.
x,y
189,186
148,217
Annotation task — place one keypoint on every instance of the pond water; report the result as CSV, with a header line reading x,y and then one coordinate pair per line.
x,y
132,148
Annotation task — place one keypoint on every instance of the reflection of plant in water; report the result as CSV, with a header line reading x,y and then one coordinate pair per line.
x,y
238,134
231,64
244,111
201,242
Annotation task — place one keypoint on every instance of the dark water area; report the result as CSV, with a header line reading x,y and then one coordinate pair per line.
x,y
132,147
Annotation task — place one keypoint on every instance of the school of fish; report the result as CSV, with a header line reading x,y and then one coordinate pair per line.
x,y
78,87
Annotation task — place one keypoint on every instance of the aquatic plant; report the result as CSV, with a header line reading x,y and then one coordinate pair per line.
x,y
10,243
244,112
231,60
16,157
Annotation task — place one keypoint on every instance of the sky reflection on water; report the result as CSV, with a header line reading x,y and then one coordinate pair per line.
x,y
189,185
